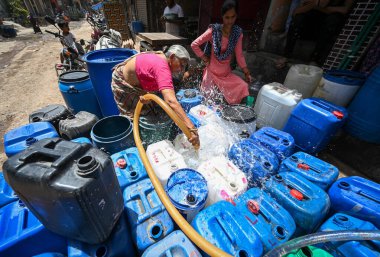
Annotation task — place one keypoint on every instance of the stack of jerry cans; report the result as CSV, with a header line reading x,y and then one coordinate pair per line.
x,y
307,203
358,197
272,223
314,122
128,167
147,217
175,244
313,169
277,141
223,226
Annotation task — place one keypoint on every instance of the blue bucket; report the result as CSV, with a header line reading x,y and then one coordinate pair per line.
x,y
112,134
137,26
99,65
187,190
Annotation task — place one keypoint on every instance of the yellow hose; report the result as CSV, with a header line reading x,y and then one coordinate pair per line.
x,y
190,232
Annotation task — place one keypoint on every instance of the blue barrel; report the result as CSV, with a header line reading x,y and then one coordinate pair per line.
x,y
128,167
188,98
18,139
22,232
175,244
307,203
7,195
119,243
99,65
81,140
277,141
313,122
78,93
364,120
254,160
223,226
137,27
358,197
271,222
113,134
315,170
187,190
341,222
149,221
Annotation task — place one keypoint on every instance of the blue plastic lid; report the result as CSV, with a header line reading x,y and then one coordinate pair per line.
x,y
187,189
345,77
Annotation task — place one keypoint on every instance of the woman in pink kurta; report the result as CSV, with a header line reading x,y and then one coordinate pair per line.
x,y
223,40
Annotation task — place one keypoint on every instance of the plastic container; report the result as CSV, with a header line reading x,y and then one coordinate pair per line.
x,y
239,118
313,169
118,244
340,221
164,160
99,65
7,195
364,120
137,26
303,78
22,232
309,251
225,181
274,105
18,139
314,122
223,225
357,197
277,141
78,93
71,188
271,222
339,86
81,140
50,255
148,219
52,113
187,190
175,244
203,114
76,126
155,128
128,167
188,98
357,249
254,160
113,134
307,203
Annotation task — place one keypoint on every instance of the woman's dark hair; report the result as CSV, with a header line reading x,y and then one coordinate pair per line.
x,y
228,5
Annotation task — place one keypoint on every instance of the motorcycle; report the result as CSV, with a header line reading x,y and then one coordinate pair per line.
x,y
111,39
98,29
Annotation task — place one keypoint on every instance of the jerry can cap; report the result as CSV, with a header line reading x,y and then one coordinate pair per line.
x,y
296,194
121,163
338,114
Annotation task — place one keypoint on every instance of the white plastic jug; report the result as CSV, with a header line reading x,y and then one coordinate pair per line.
x,y
274,105
164,160
204,114
303,78
225,181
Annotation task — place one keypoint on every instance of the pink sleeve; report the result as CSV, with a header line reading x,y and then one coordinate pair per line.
x,y
196,44
163,76
239,52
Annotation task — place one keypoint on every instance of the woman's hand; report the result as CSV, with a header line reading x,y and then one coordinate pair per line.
x,y
194,139
206,60
247,75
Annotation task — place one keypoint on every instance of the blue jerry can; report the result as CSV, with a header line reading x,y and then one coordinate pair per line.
x,y
22,234
307,203
254,160
271,221
7,195
18,139
339,222
118,244
279,142
315,170
313,122
175,244
148,219
128,167
358,197
188,98
81,140
223,225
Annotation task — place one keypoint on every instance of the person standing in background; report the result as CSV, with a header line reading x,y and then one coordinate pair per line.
x,y
173,17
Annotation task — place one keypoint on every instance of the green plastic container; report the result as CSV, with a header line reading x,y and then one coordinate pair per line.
x,y
309,251
155,128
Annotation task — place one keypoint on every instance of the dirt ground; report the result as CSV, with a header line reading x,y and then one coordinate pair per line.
x,y
27,76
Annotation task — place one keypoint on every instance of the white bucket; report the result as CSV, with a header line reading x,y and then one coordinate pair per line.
x,y
303,78
203,114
